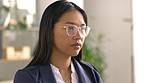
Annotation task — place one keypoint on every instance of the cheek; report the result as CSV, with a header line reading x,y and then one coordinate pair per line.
x,y
60,39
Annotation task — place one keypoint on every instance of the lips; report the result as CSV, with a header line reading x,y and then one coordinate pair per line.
x,y
76,45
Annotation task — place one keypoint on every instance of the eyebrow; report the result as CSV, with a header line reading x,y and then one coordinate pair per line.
x,y
72,23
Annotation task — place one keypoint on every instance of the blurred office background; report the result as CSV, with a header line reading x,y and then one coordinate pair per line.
x,y
112,18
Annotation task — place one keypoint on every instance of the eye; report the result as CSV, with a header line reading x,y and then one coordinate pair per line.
x,y
83,28
70,27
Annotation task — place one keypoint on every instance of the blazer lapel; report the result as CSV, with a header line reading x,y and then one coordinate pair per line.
x,y
82,75
46,73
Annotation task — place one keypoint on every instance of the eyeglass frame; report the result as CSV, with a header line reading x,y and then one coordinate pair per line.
x,y
78,29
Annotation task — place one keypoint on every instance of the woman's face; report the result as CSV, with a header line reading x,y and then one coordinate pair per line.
x,y
65,44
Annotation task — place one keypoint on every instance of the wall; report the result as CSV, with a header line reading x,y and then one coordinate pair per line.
x,y
113,18
40,7
0,35
1,44
140,33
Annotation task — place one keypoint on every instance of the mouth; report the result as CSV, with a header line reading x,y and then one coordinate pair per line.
x,y
76,46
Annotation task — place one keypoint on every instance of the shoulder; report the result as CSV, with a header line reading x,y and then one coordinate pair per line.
x,y
87,65
84,64
26,75
29,70
91,71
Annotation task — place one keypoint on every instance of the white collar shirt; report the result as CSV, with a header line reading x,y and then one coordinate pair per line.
x,y
58,76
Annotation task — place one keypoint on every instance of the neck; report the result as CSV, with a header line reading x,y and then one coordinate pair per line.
x,y
62,63
64,66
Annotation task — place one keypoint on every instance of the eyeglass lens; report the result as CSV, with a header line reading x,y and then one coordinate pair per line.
x,y
72,30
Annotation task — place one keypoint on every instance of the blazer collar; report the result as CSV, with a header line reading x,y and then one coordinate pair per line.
x,y
46,73
82,75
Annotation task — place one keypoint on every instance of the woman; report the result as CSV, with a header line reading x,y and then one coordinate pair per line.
x,y
57,58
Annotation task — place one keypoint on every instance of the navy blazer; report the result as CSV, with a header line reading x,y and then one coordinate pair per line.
x,y
43,73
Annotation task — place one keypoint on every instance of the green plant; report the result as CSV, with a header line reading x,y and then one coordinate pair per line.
x,y
5,8
16,23
94,54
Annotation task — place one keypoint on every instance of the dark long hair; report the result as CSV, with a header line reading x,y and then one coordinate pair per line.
x,y
50,17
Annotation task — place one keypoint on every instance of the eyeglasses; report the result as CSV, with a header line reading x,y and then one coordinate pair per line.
x,y
72,30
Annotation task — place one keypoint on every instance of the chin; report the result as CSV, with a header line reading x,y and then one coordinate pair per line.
x,y
75,54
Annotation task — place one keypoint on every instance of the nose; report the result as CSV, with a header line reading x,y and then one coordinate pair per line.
x,y
78,36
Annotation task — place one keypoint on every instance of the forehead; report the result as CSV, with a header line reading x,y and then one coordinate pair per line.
x,y
73,16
